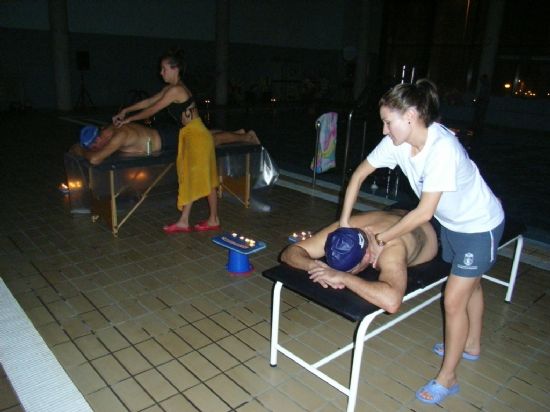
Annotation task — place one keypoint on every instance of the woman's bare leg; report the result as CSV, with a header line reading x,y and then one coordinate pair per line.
x,y
458,294
213,219
183,221
475,310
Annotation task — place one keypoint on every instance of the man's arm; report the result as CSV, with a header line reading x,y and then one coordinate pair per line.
x,y
357,179
304,255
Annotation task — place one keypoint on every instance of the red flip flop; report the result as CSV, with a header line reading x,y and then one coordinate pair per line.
x,y
174,228
203,226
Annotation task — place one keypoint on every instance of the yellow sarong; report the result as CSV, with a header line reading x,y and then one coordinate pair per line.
x,y
196,163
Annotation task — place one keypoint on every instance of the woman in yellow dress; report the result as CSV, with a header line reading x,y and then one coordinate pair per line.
x,y
197,171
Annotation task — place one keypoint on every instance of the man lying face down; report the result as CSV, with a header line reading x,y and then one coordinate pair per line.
x,y
96,144
347,252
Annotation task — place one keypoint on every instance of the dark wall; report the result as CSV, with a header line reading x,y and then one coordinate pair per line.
x,y
118,64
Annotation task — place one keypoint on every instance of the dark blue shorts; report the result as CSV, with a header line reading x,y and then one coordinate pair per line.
x,y
471,254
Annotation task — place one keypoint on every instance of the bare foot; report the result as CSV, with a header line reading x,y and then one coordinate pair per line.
x,y
252,137
240,131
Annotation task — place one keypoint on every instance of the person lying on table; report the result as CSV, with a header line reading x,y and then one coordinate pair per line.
x,y
347,252
96,144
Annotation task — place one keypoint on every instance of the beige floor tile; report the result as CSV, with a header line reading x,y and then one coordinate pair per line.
x,y
132,395
132,307
132,360
61,310
132,332
532,376
250,381
171,318
152,324
199,365
274,400
178,403
68,354
389,386
517,402
178,375
272,375
110,369
153,352
529,391
39,315
156,385
168,297
75,327
237,348
301,394
114,314
193,336
173,344
228,390
320,387
252,406
222,359
86,378
244,315
253,339
105,400
112,339
405,376
205,399
151,302
204,305
46,295
154,408
187,310
379,399
496,405
211,329
80,304
98,298
228,322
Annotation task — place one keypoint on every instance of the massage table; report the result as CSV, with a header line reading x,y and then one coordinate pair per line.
x,y
105,187
420,279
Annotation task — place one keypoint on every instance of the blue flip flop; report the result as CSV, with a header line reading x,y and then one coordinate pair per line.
x,y
437,392
439,350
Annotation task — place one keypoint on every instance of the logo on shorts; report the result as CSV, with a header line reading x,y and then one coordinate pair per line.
x,y
468,259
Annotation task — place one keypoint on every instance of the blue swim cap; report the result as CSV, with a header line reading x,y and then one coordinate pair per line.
x,y
344,248
88,134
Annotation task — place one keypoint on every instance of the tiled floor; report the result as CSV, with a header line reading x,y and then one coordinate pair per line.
x,y
149,322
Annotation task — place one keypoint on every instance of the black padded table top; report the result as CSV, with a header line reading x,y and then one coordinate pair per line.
x,y
345,302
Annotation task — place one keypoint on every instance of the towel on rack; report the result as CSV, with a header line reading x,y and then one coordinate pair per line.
x,y
325,158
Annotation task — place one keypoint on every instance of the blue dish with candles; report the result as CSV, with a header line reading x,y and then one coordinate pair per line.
x,y
239,247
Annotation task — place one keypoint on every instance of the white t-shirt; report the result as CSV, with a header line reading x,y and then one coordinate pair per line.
x,y
467,204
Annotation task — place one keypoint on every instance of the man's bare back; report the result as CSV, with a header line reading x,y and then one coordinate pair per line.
x,y
133,138
420,244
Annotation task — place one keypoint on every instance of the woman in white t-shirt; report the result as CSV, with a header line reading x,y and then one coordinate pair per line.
x,y
450,188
